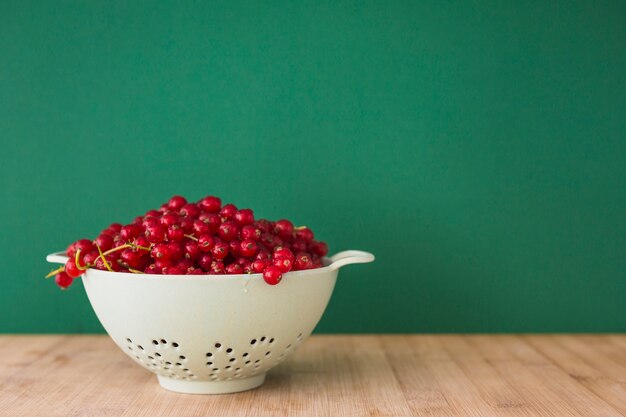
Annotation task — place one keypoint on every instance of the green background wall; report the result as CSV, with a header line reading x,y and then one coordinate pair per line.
x,y
477,148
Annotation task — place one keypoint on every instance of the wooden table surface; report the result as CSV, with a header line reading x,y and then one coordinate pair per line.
x,y
395,375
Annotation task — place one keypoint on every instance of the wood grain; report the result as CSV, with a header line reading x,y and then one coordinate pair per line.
x,y
391,375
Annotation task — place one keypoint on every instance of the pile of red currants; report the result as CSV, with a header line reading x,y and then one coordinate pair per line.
x,y
206,237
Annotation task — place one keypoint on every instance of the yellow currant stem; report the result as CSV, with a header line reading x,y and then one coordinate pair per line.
x,y
77,261
106,263
56,271
132,245
124,246
300,228
134,271
192,237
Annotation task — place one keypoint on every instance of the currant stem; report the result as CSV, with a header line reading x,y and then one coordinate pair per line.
x,y
106,263
135,271
192,237
56,271
77,262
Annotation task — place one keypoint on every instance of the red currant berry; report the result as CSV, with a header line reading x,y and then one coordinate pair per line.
x,y
173,270
250,232
272,275
210,204
284,229
244,216
130,231
132,258
206,243
220,250
115,227
177,202
63,280
156,233
161,251
200,228
169,219
248,247
299,245
263,254
71,269
187,225
194,271
319,248
105,242
176,250
265,225
151,269
234,268
233,247
304,233
228,231
284,264
142,241
175,233
192,251
228,211
90,258
217,267
190,210
205,261
303,261
153,213
259,265
283,253
184,264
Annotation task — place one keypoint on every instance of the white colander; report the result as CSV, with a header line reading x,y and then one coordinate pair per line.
x,y
211,334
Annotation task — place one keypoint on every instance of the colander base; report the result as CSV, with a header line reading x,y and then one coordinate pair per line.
x,y
211,387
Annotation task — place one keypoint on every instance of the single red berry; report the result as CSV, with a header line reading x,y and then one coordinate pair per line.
x,y
305,234
71,269
299,245
163,263
250,232
228,211
283,253
190,210
206,243
228,231
184,264
303,261
115,227
205,261
284,229
200,228
105,242
156,233
194,271
272,275
63,280
187,225
244,216
192,251
90,258
173,270
220,250
210,204
84,245
177,202
212,220
150,221
319,248
217,267
263,254
234,268
130,231
169,219
283,263
175,233
176,250
151,269
142,241
259,265
161,251
265,225
153,213
248,247
132,258
270,241
233,247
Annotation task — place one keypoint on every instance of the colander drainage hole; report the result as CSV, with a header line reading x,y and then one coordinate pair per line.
x,y
229,350
253,341
245,354
232,360
164,341
209,363
218,345
175,344
128,340
272,340
140,347
209,354
263,339
182,358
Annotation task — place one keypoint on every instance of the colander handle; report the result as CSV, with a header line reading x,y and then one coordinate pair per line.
x,y
57,258
350,257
